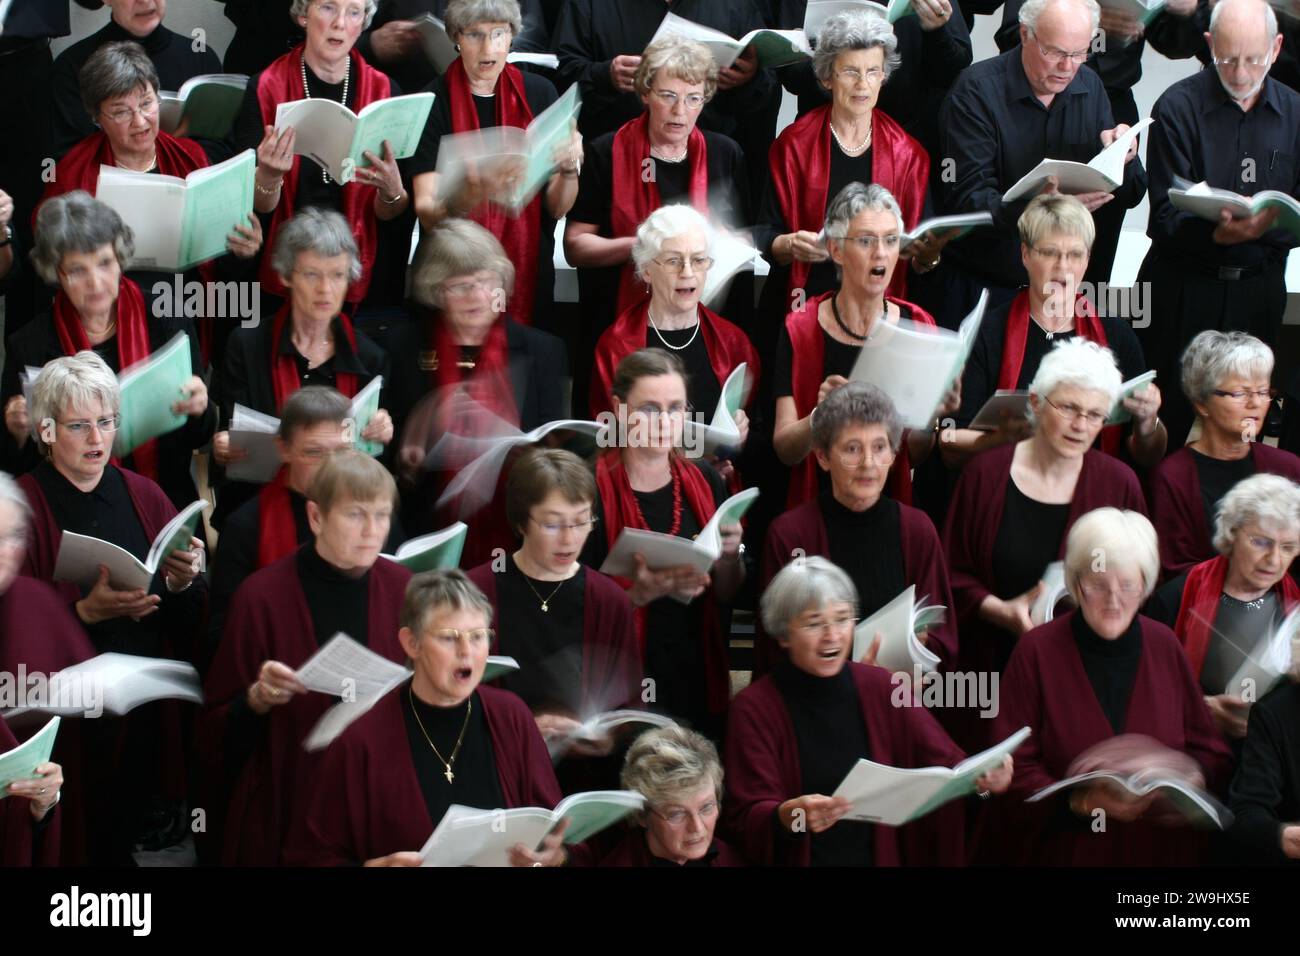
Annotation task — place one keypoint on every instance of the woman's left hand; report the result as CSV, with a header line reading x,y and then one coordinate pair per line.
x,y
551,854
997,781
568,155
183,565
1144,406
245,241
740,72
382,173
195,401
380,428
41,790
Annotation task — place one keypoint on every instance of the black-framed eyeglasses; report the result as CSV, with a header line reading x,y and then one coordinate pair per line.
x,y
1243,394
553,529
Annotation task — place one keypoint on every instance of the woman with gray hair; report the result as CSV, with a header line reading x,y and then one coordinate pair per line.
x,y
326,66
1225,610
481,90
883,545
672,255
820,341
794,735
847,140
1104,688
1226,379
463,359
1014,505
310,340
660,158
132,764
82,246
679,774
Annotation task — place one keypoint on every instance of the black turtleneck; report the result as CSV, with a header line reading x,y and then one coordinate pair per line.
x,y
474,771
1111,666
173,56
827,716
547,644
337,601
868,546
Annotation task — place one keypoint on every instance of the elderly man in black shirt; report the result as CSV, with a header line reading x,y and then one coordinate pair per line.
x,y
1235,128
1003,117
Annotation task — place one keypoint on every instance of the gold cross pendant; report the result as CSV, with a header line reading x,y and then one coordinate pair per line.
x,y
451,777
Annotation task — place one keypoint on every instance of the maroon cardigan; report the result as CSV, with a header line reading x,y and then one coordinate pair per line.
x,y
20,845
802,530
633,850
1177,510
762,764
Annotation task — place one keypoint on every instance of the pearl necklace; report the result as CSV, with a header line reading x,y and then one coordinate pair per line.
x,y
851,149
306,91
670,159
667,344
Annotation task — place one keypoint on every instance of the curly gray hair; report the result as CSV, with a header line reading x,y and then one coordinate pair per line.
x,y
804,583
855,199
849,31
77,222
463,14
447,589
667,222
857,403
1267,499
322,231
1212,357
299,9
669,763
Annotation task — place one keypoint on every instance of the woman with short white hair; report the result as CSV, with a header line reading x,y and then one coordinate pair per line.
x,y
1226,609
1014,505
1104,688
794,735
672,254
1225,376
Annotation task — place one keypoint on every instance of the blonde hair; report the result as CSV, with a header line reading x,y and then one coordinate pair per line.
x,y
1106,539
349,474
1047,215
680,59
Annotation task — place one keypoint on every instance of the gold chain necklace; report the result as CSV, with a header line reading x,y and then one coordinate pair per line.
x,y
547,600
469,709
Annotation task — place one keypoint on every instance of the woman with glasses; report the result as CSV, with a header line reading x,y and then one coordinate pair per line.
x,y
257,713
1103,688
794,735
481,90
326,66
679,774
883,545
1226,609
659,158
463,364
1225,376
81,247
309,341
819,343
1014,505
848,140
671,254
646,482
438,739
570,628
1056,235
135,767
119,89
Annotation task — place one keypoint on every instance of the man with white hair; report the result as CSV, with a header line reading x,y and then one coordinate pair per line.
x,y
1234,128
1005,115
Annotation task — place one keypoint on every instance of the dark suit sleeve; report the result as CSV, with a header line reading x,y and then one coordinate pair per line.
x,y
1257,789
1178,37
553,367
574,47
70,121
968,135
230,384
1171,149
234,560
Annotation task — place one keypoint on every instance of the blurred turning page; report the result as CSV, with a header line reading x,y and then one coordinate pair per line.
x,y
915,365
432,552
254,433
334,137
600,725
1196,805
1119,414
1009,401
898,622
470,837
773,47
1262,670
211,102
21,762
149,389
81,555
1053,593
498,665
722,432
961,224
896,795
669,551
819,11
364,406
115,684
1144,10
1101,174
356,674
732,255
180,223
526,152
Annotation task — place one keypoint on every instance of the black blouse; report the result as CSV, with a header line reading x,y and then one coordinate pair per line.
x,y
475,782
1029,539
547,644
1217,478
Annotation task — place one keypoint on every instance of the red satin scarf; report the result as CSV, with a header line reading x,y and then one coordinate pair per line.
x,y
519,236
1086,323
132,347
636,196
284,369
1200,605
281,82
277,533
800,161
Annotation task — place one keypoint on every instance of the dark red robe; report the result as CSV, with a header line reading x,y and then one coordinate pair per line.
x,y
611,656
1046,689
633,850
1177,510
20,843
269,621
726,344
802,530
365,799
762,764
807,355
